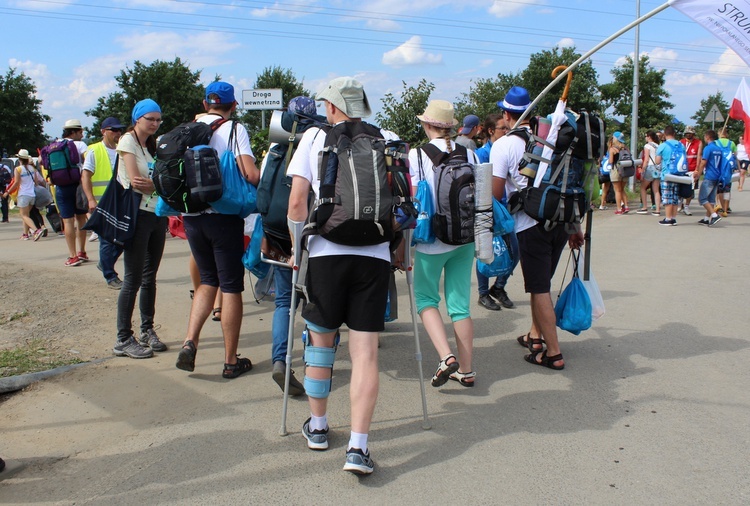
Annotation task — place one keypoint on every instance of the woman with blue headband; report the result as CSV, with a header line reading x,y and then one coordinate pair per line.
x,y
136,151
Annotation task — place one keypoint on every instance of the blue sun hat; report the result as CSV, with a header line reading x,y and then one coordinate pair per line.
x,y
517,100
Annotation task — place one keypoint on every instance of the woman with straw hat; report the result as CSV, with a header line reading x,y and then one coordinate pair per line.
x,y
433,261
25,178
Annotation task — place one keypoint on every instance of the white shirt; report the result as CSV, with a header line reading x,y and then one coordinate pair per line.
x,y
304,163
505,155
428,170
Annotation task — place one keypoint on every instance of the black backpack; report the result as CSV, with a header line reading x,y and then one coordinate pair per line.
x,y
186,170
274,186
561,196
453,221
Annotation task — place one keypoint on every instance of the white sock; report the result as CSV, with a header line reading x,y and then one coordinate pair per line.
x,y
714,215
318,422
357,440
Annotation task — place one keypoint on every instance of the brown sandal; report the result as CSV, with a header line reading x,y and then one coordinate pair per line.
x,y
546,361
530,343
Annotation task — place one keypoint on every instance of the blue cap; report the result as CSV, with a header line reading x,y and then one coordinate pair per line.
x,y
470,122
111,123
144,107
224,93
619,136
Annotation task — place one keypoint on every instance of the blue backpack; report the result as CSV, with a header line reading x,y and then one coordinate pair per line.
x,y
677,163
728,161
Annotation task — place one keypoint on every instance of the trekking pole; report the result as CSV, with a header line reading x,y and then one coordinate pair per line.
x,y
418,354
292,311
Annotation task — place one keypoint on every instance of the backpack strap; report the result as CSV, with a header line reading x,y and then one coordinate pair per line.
x,y
437,156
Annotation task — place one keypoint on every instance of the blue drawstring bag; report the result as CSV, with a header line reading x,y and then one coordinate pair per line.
x,y
573,308
503,222
423,233
251,257
164,209
238,197
502,263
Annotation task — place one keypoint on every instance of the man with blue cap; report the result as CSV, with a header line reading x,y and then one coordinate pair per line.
x,y
540,249
468,131
217,241
97,171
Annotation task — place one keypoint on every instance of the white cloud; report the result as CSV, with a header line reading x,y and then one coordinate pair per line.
x,y
300,8
411,53
688,80
566,42
43,6
505,9
729,63
36,71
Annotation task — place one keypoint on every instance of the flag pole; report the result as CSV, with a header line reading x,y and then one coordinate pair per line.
x,y
593,50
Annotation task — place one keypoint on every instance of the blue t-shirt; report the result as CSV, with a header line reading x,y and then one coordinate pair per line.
x,y
712,154
483,153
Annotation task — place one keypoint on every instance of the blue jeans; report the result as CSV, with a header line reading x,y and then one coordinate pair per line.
x,y
282,278
108,255
483,282
707,193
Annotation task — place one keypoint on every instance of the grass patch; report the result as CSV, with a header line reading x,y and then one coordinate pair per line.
x,y
14,317
33,356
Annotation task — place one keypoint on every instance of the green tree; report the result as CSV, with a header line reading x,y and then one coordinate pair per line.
x,y
400,114
270,78
584,88
21,118
653,106
735,127
483,96
172,85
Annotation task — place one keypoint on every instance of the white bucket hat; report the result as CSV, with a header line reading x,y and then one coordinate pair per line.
x,y
348,95
439,113
23,153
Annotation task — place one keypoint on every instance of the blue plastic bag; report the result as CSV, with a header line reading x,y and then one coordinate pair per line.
x,y
164,209
423,233
251,258
502,264
503,222
238,196
573,308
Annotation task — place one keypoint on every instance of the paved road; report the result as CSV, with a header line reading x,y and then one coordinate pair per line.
x,y
652,408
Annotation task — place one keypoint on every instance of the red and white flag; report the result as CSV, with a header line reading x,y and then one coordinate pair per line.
x,y
741,109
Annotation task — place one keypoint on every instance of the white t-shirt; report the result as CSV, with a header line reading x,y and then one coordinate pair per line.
x,y
741,152
505,155
428,170
143,160
304,163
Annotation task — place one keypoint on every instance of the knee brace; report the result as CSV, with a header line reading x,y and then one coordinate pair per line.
x,y
318,356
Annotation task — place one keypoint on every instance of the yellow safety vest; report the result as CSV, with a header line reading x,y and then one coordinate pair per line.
x,y
100,178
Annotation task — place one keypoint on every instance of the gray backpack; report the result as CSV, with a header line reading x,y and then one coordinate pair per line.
x,y
355,202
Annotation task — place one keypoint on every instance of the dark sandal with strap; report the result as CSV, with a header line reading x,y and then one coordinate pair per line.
x,y
465,378
546,361
529,343
186,357
444,370
242,366
216,314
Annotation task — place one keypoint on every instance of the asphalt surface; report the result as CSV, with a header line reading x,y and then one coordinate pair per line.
x,y
652,407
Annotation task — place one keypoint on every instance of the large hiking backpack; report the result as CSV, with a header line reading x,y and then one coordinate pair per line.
x,y
275,186
355,202
186,171
677,163
453,221
561,196
62,161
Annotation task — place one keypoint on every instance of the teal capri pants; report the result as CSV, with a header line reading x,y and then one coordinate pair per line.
x,y
458,265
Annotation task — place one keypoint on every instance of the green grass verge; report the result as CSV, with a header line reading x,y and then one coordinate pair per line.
x,y
33,356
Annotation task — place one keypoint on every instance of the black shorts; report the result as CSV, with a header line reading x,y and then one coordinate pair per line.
x,y
540,253
217,242
349,289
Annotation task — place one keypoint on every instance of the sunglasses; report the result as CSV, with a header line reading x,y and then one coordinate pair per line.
x,y
117,130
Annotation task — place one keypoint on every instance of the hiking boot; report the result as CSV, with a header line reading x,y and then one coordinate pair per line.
x,y
714,221
83,256
131,348
486,302
73,261
502,297
115,283
358,462
279,376
242,366
149,339
316,439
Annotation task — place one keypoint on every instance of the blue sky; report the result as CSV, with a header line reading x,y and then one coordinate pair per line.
x,y
73,49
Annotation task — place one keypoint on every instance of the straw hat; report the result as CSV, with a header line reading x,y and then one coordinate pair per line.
x,y
439,113
23,154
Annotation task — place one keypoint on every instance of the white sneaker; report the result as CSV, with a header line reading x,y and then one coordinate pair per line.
x,y
686,211
93,237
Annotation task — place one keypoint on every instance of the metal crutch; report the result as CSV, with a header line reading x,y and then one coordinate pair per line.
x,y
418,354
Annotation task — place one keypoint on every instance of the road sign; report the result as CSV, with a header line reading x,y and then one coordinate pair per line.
x,y
262,99
714,114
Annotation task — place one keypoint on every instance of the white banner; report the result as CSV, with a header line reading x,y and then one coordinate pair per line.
x,y
728,21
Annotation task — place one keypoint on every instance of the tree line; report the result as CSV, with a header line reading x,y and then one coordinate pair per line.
x,y
179,92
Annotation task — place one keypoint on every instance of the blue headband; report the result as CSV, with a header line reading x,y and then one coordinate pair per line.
x,y
144,107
